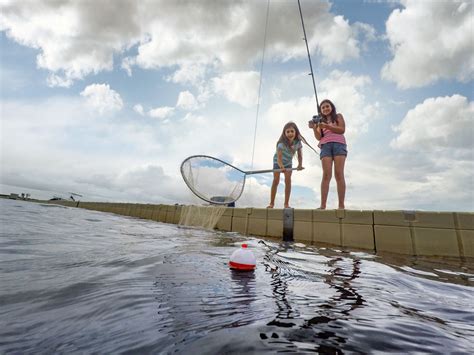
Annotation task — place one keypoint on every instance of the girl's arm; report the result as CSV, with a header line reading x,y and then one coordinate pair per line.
x,y
280,159
340,127
300,159
316,131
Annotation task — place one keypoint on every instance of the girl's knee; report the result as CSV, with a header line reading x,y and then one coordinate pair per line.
x,y
339,175
327,176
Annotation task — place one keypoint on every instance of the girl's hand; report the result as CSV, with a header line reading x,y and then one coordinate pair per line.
x,y
282,167
323,125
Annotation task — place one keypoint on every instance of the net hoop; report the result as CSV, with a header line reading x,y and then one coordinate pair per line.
x,y
225,199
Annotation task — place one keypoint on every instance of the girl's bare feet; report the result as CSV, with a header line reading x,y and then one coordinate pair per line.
x,y
321,208
287,206
270,205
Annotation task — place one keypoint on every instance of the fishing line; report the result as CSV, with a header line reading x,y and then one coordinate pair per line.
x,y
260,83
309,59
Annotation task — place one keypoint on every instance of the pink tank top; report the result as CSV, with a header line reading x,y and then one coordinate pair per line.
x,y
330,136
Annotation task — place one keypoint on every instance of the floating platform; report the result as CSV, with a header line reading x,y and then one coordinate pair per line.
x,y
417,233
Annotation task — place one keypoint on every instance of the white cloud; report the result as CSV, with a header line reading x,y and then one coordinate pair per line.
x,y
76,39
189,73
238,87
433,157
348,93
436,124
416,182
338,42
430,40
161,112
116,161
101,159
215,53
187,101
59,81
138,108
127,64
351,94
366,32
102,98
140,183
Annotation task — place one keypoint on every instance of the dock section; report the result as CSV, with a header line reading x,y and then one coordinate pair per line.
x,y
417,233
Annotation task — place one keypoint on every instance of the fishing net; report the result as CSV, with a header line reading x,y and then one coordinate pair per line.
x,y
201,216
213,180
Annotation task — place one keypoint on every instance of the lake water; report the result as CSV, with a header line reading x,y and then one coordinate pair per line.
x,y
79,281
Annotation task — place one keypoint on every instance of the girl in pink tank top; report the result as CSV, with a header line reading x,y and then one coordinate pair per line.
x,y
330,134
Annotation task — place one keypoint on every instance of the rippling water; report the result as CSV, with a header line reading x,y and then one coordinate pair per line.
x,y
78,281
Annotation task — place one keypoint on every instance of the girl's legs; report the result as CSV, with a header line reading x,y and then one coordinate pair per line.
x,y
339,161
326,163
273,191
287,188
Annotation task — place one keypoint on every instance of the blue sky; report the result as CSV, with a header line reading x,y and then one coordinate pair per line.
x,y
107,98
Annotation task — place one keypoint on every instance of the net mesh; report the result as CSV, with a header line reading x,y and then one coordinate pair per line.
x,y
212,180
201,216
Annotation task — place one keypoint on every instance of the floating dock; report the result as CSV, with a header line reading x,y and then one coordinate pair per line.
x,y
418,233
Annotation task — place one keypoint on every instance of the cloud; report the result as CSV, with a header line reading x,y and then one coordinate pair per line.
x,y
102,98
366,32
138,108
238,87
161,112
352,95
407,181
77,39
348,92
433,155
188,73
430,41
119,161
141,184
187,101
338,42
111,160
441,125
58,80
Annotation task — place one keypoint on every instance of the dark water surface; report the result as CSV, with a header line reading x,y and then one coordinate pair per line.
x,y
78,281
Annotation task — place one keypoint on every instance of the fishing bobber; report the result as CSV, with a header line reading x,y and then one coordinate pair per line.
x,y
242,259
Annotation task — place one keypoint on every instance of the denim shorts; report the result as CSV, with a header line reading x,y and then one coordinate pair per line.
x,y
287,166
333,149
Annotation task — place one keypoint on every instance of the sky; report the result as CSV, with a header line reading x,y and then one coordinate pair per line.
x,y
106,98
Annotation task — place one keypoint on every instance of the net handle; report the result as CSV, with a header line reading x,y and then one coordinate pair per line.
x,y
268,171
232,166
251,172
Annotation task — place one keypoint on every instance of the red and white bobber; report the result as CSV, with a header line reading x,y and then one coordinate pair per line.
x,y
243,259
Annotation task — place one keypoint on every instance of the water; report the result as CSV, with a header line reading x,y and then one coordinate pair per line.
x,y
78,281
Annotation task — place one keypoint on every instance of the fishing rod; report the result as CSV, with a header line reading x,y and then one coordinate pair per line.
x,y
309,59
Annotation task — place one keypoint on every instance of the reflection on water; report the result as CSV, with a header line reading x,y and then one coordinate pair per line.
x,y
78,281
338,274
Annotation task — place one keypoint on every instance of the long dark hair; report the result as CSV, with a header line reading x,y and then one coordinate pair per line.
x,y
283,139
333,115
